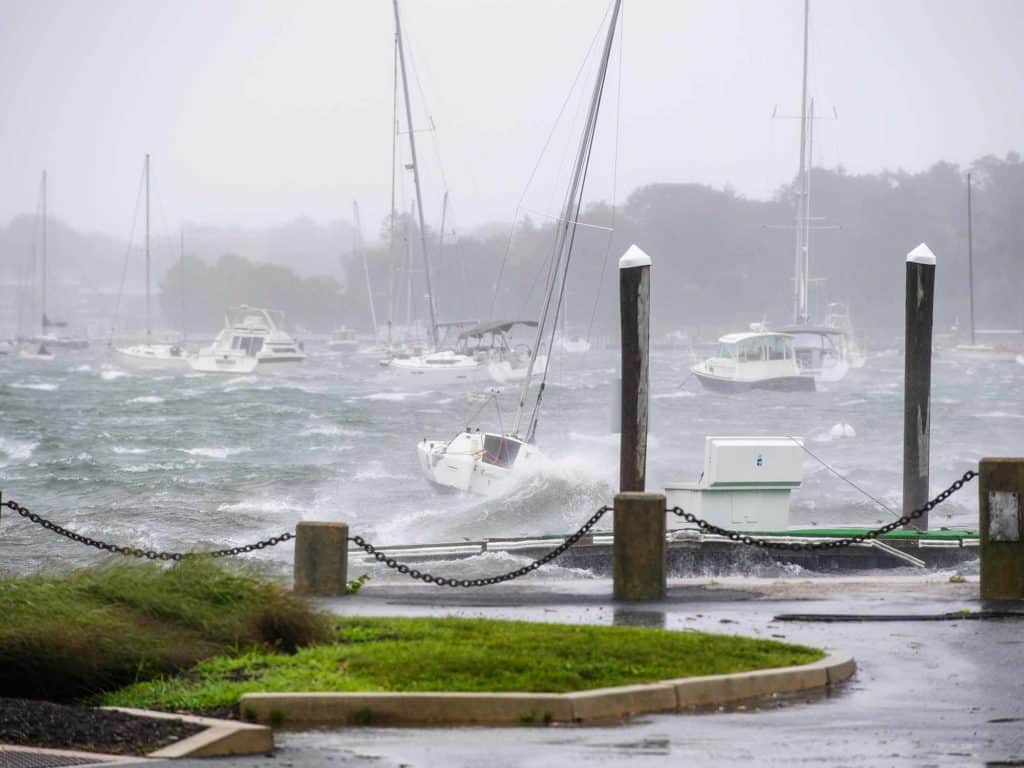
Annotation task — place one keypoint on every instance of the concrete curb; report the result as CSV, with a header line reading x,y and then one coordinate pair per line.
x,y
541,708
221,737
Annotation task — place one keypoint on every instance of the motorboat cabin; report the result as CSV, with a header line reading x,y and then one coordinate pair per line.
x,y
756,360
250,333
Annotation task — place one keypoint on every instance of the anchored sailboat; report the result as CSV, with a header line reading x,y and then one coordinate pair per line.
x,y
150,356
476,461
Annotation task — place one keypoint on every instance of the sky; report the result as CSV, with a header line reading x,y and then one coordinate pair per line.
x,y
257,112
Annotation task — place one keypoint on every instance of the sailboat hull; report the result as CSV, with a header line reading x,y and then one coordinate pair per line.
x,y
475,462
153,357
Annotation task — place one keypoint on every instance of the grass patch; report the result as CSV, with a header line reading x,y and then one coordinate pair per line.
x,y
69,637
402,654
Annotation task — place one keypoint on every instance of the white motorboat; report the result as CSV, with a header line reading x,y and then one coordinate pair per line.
x,y
481,461
756,360
448,359
343,340
251,336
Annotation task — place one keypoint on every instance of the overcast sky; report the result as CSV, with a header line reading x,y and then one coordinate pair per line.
x,y
257,111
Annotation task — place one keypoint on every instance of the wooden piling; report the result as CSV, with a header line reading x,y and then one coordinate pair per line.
x,y
920,302
639,563
1001,524
634,307
321,559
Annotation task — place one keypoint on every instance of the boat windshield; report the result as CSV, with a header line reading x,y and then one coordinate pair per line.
x,y
727,350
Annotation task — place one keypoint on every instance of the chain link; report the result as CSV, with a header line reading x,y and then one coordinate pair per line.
x,y
149,554
704,525
443,581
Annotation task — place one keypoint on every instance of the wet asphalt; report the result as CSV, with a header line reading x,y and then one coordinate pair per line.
x,y
926,693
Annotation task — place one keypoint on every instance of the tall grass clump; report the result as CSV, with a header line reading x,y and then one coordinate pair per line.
x,y
72,636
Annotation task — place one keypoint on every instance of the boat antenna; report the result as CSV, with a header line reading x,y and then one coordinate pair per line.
x,y
565,236
970,253
416,177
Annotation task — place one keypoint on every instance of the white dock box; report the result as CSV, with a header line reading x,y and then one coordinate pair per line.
x,y
746,483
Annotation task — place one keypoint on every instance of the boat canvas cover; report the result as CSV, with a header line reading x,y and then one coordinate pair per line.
x,y
501,326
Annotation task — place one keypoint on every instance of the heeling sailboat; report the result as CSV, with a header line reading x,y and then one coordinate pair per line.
x,y
442,359
476,461
150,356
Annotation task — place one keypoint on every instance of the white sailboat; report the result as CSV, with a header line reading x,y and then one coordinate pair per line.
x,y
344,339
149,355
478,461
442,359
40,347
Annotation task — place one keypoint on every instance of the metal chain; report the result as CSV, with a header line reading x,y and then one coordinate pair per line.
x,y
443,581
834,543
149,554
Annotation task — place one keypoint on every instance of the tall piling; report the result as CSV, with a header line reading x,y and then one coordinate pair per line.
x,y
634,312
917,381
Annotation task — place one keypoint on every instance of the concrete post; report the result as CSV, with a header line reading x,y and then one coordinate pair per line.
x,y
639,551
635,310
321,559
917,381
1000,492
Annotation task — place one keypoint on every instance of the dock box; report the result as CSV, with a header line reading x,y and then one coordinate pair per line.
x,y
746,483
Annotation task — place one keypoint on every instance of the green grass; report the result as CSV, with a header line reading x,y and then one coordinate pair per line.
x,y
389,654
72,636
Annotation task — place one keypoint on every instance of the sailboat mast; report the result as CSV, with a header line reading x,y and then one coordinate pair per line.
x,y
391,222
801,276
970,253
567,226
149,330
181,292
416,178
366,265
43,320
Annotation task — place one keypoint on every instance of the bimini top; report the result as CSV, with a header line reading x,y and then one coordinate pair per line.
x,y
501,326
736,338
820,330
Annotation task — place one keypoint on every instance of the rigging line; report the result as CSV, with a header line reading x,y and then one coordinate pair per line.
x,y
127,255
540,158
434,141
840,476
615,185
591,129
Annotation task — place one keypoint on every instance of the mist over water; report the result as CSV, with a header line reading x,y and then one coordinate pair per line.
x,y
177,462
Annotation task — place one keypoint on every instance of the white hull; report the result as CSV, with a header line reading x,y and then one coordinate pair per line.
x,y
154,357
437,366
476,462
235,364
24,354
502,371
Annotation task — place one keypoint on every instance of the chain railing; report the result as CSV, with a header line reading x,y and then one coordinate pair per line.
x,y
149,554
443,581
794,546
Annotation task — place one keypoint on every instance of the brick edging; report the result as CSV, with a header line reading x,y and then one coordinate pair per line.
x,y
527,708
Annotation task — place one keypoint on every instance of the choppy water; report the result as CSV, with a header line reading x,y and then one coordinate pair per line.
x,y
177,461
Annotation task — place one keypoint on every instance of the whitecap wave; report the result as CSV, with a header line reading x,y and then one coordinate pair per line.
x,y
123,449
39,386
332,430
999,415
16,450
112,374
673,395
392,397
216,453
147,399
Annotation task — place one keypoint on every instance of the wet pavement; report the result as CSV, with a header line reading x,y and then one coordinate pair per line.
x,y
926,693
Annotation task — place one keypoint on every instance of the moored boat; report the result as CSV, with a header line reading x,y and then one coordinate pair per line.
x,y
755,360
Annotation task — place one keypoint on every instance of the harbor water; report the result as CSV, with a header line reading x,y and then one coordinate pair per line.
x,y
188,461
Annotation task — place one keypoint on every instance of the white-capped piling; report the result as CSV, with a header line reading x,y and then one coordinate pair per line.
x,y
917,380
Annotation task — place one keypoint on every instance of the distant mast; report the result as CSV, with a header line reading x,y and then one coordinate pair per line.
x,y
366,266
801,284
149,330
44,321
970,253
416,179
